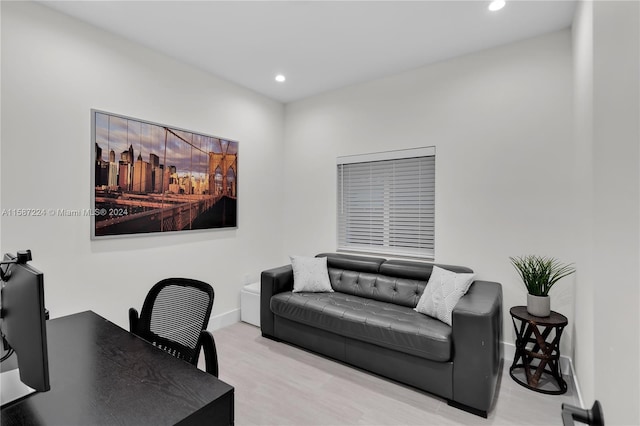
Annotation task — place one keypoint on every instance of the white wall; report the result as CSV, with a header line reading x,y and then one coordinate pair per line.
x,y
54,70
501,123
583,326
606,36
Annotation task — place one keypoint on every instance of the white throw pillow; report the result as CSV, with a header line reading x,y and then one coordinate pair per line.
x,y
442,292
310,274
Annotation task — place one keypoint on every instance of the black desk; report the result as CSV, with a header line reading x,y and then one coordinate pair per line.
x,y
103,375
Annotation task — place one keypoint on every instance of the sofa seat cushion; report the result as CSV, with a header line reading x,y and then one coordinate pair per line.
x,y
384,324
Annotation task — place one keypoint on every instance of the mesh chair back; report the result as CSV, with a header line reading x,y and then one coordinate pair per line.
x,y
174,313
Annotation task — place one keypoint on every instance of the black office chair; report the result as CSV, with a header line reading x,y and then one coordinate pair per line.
x,y
174,318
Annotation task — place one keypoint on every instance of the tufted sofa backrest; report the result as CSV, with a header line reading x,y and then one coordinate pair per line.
x,y
395,281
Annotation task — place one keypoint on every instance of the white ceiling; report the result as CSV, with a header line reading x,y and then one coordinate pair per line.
x,y
318,45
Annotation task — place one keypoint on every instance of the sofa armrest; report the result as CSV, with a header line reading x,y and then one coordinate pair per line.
x,y
477,344
272,281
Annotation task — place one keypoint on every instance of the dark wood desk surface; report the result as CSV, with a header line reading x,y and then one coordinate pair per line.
x,y
103,375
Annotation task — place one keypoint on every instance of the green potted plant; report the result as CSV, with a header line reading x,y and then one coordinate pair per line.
x,y
539,274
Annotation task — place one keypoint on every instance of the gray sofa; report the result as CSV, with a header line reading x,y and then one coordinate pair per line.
x,y
369,322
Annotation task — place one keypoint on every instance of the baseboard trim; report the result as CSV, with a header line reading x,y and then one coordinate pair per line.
x,y
224,320
574,377
566,364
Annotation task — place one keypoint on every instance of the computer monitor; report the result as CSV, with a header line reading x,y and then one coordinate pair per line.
x,y
23,319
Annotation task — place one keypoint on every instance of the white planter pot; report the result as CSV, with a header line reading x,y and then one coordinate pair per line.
x,y
539,306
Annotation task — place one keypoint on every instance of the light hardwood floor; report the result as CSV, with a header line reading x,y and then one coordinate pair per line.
x,y
279,384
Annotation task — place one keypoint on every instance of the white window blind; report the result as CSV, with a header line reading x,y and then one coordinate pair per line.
x,y
386,202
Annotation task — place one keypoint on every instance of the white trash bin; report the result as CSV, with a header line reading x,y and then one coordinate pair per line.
x,y
250,304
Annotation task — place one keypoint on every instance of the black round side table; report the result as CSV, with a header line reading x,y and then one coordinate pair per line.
x,y
533,342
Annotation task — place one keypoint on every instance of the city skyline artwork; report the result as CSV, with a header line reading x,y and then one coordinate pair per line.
x,y
150,177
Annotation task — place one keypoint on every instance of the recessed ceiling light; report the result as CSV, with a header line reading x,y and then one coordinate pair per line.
x,y
496,5
280,78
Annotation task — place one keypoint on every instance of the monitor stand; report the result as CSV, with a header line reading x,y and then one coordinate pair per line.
x,y
11,387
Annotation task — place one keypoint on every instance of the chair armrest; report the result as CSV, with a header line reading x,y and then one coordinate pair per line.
x,y
272,281
477,344
134,317
210,352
